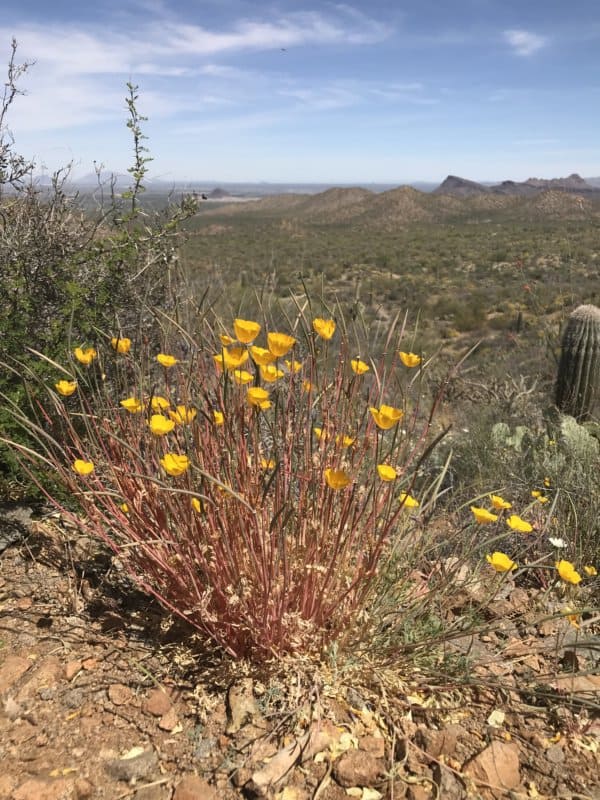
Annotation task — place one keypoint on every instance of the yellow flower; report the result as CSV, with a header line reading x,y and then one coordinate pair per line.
x,y
408,501
196,505
242,377
183,415
359,367
547,483
66,388
590,570
246,330
175,464
121,345
567,572
159,403
482,515
280,344
166,360
336,478
124,508
501,562
85,356
293,365
234,357
386,473
499,503
261,356
320,433
306,385
325,328
345,441
133,405
226,340
386,416
218,417
160,425
267,463
517,524
409,359
572,617
270,373
258,397
82,467
539,496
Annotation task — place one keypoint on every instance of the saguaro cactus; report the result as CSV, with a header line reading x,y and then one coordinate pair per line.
x,y
578,381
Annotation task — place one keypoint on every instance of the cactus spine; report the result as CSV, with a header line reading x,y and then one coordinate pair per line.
x,y
578,381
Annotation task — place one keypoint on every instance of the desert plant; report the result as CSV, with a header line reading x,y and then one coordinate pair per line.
x,y
578,380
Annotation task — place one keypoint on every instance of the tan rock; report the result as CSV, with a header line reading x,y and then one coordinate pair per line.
x,y
357,768
169,720
496,765
194,788
119,695
158,703
11,670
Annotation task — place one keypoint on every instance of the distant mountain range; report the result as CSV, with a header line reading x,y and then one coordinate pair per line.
x,y
461,187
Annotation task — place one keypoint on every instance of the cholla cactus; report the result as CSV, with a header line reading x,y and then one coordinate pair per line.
x,y
578,382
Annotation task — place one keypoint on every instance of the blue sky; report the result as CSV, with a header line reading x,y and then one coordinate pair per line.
x,y
296,90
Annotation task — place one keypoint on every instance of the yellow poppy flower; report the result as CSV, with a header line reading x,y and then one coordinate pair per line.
x,y
408,501
482,515
590,570
359,367
257,396
267,463
124,508
306,385
572,617
517,524
166,360
86,356
325,328
293,366
66,388
499,503
409,359
386,473
183,415
82,467
336,478
246,330
270,373
501,562
280,344
242,377
121,345
234,357
539,496
175,464
320,433
160,425
567,572
196,505
218,417
159,403
386,416
345,441
132,404
547,483
261,356
226,340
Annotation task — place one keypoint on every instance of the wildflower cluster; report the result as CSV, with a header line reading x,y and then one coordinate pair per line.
x,y
252,482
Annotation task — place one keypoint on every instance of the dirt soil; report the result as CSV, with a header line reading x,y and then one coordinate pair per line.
x,y
103,696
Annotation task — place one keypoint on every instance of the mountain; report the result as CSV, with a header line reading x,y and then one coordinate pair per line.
x,y
461,187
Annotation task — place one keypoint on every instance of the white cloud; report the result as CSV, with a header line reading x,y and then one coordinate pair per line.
x,y
525,43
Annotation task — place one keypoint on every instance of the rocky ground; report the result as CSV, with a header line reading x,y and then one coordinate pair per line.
x,y
102,696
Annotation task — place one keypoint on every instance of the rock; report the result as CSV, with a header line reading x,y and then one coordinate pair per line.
x,y
419,792
241,705
46,675
11,670
132,768
194,788
71,669
555,754
36,789
357,768
157,703
84,789
73,698
168,721
442,742
497,765
118,694
374,745
152,793
449,786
